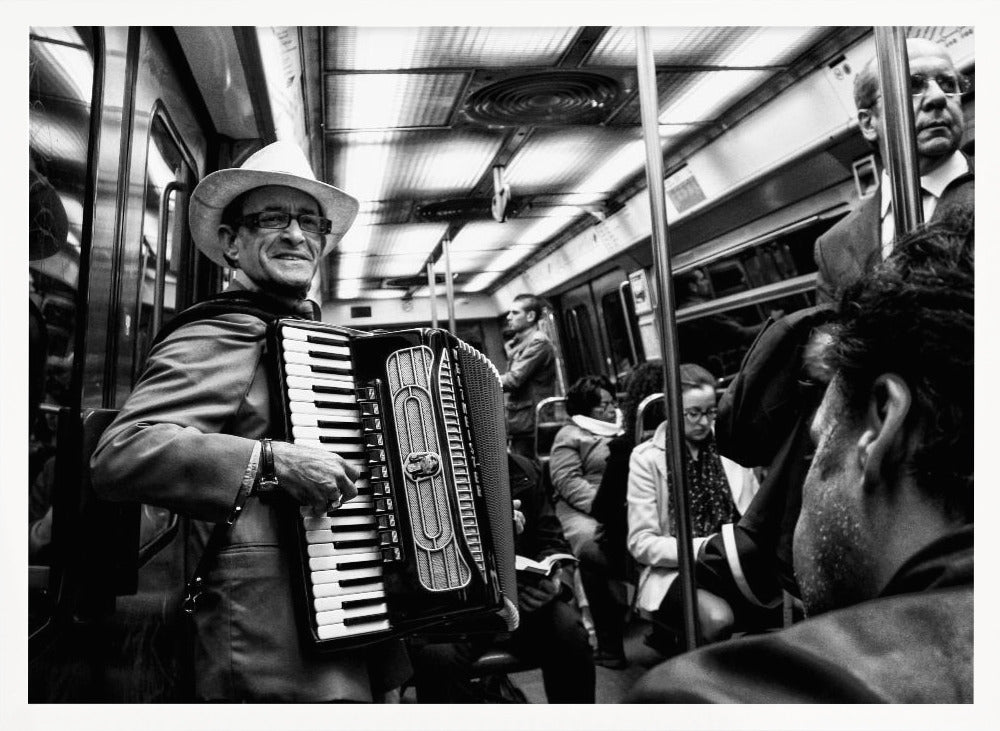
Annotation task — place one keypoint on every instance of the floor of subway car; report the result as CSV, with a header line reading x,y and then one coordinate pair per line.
x,y
611,685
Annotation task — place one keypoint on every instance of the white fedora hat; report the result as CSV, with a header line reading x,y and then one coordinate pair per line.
x,y
280,163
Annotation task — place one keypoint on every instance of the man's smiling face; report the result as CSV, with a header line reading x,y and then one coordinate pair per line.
x,y
282,261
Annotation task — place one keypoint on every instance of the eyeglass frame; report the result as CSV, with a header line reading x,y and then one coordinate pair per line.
x,y
253,220
710,413
963,82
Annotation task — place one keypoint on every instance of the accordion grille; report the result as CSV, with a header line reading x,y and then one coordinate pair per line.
x,y
482,382
438,558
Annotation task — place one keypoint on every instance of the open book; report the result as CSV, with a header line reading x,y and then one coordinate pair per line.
x,y
544,568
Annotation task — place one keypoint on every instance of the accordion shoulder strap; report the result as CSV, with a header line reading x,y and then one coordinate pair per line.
x,y
257,304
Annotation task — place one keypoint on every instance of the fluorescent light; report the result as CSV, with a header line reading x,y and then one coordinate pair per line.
x,y
384,48
357,240
481,281
364,169
377,101
711,94
348,288
771,45
624,163
527,171
509,258
351,266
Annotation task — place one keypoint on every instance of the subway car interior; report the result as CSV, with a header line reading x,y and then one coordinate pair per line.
x,y
488,162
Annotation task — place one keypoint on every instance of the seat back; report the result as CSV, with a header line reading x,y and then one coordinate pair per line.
x,y
648,417
550,417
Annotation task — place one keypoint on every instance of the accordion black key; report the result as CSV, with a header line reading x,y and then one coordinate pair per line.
x,y
427,545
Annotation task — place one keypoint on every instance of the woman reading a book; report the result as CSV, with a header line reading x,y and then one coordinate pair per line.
x,y
718,488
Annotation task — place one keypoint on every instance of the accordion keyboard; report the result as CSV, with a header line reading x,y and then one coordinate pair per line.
x,y
345,546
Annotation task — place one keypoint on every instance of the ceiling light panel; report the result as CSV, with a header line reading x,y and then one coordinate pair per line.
x,y
382,101
670,46
479,282
402,265
492,236
774,45
709,95
439,47
561,160
405,238
423,165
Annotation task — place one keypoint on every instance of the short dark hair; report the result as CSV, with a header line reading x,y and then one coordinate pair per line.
x,y
585,395
532,304
645,380
913,316
232,214
866,85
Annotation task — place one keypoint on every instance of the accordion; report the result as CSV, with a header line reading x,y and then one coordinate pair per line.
x,y
428,543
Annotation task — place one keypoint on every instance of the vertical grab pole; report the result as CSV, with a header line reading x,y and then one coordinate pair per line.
x,y
649,107
449,286
897,104
432,288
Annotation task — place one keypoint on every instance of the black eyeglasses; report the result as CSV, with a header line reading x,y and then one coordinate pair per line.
x,y
309,222
949,84
694,415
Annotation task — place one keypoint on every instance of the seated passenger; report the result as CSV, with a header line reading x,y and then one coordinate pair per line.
x,y
578,455
606,558
551,633
883,548
718,489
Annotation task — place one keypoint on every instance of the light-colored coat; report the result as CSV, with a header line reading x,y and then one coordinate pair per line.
x,y
576,464
649,539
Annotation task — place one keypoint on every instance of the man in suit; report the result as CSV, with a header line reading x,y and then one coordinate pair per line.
x,y
531,371
883,546
864,238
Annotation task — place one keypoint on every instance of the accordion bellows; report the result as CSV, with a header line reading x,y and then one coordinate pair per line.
x,y
428,544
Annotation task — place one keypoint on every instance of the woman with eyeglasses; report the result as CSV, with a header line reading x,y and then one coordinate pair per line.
x,y
718,490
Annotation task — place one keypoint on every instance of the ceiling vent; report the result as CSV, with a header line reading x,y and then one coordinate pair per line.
x,y
545,98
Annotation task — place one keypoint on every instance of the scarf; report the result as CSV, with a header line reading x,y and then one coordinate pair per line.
x,y
596,426
710,499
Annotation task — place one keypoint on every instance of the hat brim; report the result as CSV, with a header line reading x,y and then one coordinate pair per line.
x,y
218,190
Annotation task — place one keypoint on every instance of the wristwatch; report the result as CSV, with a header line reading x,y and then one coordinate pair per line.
x,y
268,480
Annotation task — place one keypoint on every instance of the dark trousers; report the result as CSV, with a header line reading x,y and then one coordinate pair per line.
x,y
597,570
552,637
523,444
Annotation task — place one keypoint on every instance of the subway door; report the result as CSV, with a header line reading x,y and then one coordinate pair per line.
x,y
125,648
581,348
157,269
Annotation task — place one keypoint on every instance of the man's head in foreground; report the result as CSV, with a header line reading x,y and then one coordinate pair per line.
x,y
894,433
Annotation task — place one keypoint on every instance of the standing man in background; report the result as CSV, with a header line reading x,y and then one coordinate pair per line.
x,y
531,371
864,238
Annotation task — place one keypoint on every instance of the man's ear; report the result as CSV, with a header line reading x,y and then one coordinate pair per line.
x,y
531,316
868,125
230,251
882,446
